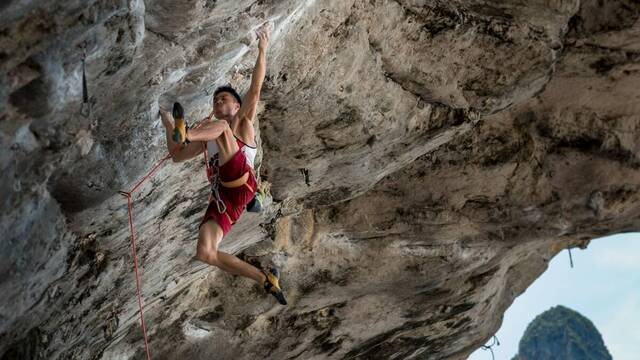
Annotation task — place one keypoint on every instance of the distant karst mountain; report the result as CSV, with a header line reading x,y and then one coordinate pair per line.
x,y
561,333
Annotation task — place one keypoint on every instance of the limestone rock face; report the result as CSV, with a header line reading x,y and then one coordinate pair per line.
x,y
425,160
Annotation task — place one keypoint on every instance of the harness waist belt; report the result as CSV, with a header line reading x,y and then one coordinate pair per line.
x,y
237,182
241,181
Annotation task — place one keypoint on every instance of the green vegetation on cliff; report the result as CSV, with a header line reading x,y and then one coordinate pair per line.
x,y
561,333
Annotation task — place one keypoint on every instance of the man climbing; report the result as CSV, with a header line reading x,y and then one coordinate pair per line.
x,y
230,143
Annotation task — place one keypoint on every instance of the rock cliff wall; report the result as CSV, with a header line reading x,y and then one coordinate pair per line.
x,y
426,159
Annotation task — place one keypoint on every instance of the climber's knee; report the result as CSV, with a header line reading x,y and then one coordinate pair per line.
x,y
208,256
202,254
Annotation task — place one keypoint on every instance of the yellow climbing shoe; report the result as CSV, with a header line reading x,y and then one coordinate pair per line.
x,y
180,128
272,287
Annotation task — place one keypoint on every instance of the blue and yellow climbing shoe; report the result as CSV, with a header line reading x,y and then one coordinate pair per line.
x,y
180,128
272,287
255,205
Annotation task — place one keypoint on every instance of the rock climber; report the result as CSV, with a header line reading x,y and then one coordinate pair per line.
x,y
229,140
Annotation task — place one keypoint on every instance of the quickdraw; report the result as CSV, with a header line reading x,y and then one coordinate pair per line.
x,y
215,185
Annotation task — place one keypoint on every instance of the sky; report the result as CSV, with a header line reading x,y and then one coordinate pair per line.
x,y
603,285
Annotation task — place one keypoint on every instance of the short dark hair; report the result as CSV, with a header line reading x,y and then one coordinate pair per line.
x,y
230,90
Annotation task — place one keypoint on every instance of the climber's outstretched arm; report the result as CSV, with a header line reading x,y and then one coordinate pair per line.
x,y
250,102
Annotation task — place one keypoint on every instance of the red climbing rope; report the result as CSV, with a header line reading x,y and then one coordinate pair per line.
x,y
128,195
135,267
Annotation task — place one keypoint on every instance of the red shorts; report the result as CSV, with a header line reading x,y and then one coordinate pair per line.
x,y
235,199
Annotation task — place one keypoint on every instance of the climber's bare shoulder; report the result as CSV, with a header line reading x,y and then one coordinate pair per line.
x,y
243,129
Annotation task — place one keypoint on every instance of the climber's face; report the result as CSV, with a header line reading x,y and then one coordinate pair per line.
x,y
225,105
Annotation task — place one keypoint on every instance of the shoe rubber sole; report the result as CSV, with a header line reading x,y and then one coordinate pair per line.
x,y
273,286
180,128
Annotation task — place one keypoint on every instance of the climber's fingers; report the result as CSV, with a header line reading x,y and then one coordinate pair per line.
x,y
263,37
266,28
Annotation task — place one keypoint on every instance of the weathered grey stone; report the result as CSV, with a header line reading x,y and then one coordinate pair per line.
x,y
426,160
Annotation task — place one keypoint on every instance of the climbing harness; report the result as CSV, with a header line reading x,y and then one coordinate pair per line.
x,y
212,168
495,342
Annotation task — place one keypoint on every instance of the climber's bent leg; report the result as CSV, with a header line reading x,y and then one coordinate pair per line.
x,y
209,238
206,250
